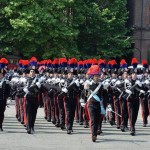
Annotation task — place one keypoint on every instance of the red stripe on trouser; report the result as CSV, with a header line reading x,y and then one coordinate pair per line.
x,y
66,119
142,109
120,104
17,105
24,108
21,109
45,105
128,103
77,108
149,105
89,118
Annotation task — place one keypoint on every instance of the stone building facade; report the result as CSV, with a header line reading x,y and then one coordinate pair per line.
x,y
139,21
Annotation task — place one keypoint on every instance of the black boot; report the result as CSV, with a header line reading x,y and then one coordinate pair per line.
x,y
69,131
29,131
94,138
62,126
123,129
1,128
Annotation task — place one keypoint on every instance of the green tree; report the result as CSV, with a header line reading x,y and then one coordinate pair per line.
x,y
103,33
71,28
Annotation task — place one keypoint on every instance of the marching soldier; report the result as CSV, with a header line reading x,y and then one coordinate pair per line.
x,y
93,107
31,91
4,93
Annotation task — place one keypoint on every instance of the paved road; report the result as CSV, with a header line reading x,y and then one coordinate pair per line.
x,y
48,137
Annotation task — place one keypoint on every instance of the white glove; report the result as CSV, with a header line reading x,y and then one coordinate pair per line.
x,y
109,108
57,80
118,82
86,86
64,90
53,79
113,81
81,81
42,79
7,82
82,100
23,80
83,105
77,82
146,82
26,90
141,91
106,85
128,91
49,80
88,82
126,81
38,84
138,83
9,100
62,81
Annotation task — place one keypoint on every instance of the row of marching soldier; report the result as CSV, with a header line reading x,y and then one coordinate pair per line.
x,y
90,92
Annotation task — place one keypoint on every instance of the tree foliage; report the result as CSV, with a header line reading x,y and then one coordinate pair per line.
x,y
56,28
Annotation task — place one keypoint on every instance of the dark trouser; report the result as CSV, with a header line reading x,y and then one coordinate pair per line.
x,y
94,115
145,111
61,110
32,106
52,102
133,109
2,110
149,104
24,110
111,115
56,109
77,108
21,109
124,113
117,110
81,114
48,107
45,104
17,107
70,110
100,122
40,101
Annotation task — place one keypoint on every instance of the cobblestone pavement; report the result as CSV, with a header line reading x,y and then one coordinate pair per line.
x,y
47,136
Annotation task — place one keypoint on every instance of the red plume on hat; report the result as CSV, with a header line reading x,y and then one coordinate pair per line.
x,y
89,63
25,63
123,63
43,63
49,63
72,62
4,60
20,63
109,64
3,63
144,63
55,63
63,62
134,62
80,64
113,64
94,70
33,61
102,63
94,61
